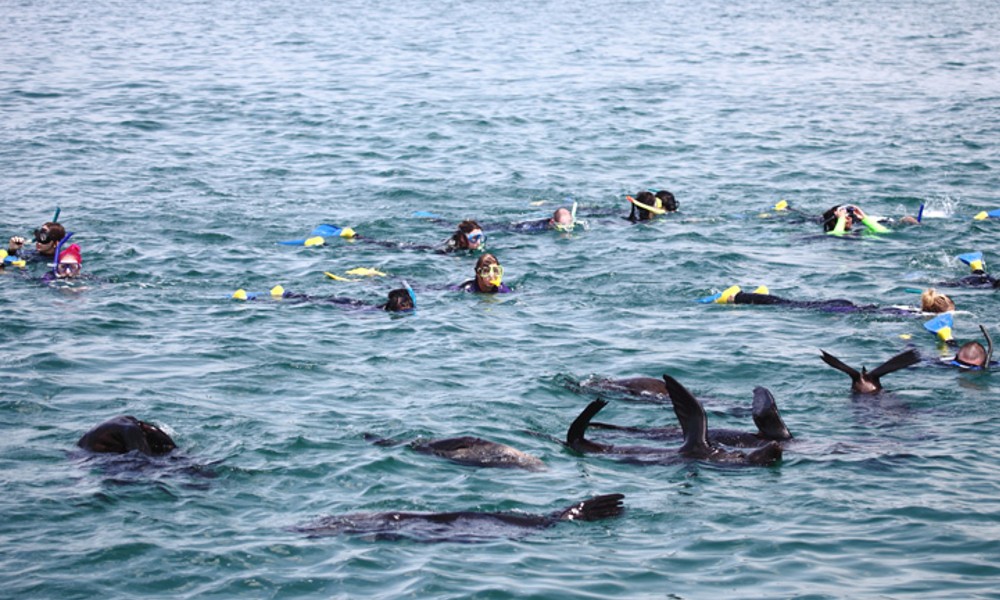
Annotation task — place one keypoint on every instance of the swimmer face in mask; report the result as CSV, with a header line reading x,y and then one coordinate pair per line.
x,y
70,263
469,236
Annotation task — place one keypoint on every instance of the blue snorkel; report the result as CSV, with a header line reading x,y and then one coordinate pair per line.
x,y
920,213
55,260
413,296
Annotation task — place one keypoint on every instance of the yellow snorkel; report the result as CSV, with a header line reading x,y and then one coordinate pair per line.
x,y
656,210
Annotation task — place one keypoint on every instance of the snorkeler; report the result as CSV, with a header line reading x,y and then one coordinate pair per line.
x,y
489,277
399,300
46,238
562,220
468,236
930,302
647,205
979,278
841,218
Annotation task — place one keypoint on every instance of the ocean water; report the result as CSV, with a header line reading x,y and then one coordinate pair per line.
x,y
182,140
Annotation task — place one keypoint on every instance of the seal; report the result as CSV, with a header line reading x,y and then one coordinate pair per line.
x,y
126,434
694,428
471,451
646,388
462,526
868,382
767,418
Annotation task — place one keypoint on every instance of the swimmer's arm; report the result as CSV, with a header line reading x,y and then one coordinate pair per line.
x,y
838,229
873,225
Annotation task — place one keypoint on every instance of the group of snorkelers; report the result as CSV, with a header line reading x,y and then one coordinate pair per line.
x,y
63,261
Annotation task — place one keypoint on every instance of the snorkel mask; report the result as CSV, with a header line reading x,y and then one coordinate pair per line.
x,y
567,227
988,358
476,238
492,274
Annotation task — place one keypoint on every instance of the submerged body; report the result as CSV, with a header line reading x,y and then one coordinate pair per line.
x,y
459,526
472,451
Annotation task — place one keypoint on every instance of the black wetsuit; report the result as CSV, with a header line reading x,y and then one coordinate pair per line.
x,y
837,305
976,280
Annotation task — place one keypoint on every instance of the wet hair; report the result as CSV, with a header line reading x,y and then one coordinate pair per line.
x,y
830,218
932,301
486,260
54,232
641,214
668,200
972,354
459,239
399,300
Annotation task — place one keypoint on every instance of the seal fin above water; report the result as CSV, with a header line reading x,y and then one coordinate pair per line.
x,y
766,416
836,363
691,415
577,429
900,361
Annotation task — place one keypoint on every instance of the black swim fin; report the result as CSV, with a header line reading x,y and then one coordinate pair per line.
x,y
766,416
691,415
577,429
598,507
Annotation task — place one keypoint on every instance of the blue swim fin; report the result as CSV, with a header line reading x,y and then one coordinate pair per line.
x,y
941,326
974,260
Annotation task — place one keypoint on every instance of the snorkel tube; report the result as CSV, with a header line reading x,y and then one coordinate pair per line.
x,y
989,347
413,296
55,259
920,214
653,209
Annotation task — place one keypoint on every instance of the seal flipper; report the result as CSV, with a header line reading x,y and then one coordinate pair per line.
x,y
900,361
766,416
691,416
577,429
836,363
598,507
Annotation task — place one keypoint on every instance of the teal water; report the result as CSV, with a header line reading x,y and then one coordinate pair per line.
x,y
181,140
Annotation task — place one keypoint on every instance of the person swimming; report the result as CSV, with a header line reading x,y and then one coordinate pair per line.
x,y
399,300
839,219
978,278
973,355
489,277
562,220
468,236
646,205
930,302
46,238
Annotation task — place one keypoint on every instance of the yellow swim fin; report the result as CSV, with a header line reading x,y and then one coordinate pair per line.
x,y
366,272
336,277
982,216
314,241
762,289
277,291
781,205
727,294
347,232
240,294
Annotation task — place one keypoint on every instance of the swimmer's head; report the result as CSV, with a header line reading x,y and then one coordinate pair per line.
x,y
400,300
469,236
489,273
933,302
562,220
972,354
70,262
641,205
668,202
47,238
